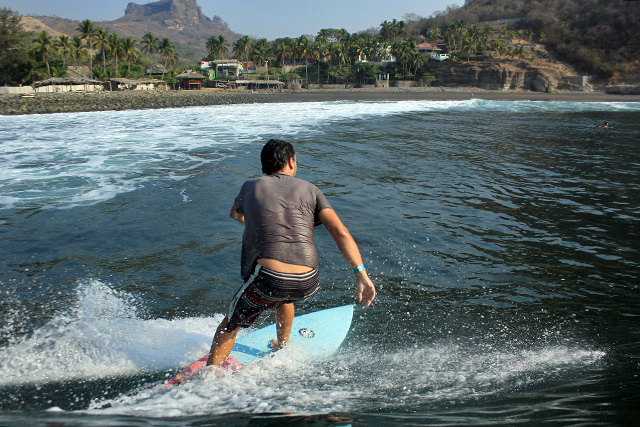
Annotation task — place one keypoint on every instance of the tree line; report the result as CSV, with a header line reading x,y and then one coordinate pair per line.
x,y
472,40
336,56
332,55
26,57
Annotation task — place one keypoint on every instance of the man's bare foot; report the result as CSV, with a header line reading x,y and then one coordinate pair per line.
x,y
274,345
207,370
231,364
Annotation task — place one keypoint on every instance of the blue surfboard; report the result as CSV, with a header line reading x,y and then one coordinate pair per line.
x,y
316,335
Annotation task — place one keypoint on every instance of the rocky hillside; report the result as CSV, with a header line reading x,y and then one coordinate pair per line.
x,y
508,75
182,21
598,37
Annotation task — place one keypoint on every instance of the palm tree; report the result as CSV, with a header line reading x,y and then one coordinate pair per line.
x,y
130,51
303,47
63,43
261,44
318,52
504,34
404,51
529,34
259,55
87,32
42,46
172,59
451,35
242,47
102,41
435,34
402,29
499,47
470,46
484,34
381,51
385,30
167,51
115,49
150,44
217,46
393,30
339,53
343,36
461,33
361,50
322,38
283,50
78,51
417,61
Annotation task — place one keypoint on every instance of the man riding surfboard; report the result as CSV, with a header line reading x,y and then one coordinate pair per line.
x,y
279,212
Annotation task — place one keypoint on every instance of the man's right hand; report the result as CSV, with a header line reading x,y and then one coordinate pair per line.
x,y
365,289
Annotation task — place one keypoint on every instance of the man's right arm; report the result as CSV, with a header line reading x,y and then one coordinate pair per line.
x,y
235,214
349,249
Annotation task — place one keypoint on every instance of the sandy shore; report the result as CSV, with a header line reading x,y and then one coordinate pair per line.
x,y
104,101
445,94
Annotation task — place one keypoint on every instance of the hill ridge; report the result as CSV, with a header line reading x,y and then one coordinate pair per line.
x,y
182,21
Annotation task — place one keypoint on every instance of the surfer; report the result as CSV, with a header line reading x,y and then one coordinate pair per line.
x,y
279,212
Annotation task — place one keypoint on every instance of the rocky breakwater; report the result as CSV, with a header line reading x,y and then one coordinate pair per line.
x,y
44,103
495,76
623,89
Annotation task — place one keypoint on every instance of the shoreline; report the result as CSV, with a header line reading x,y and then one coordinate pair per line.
x,y
48,103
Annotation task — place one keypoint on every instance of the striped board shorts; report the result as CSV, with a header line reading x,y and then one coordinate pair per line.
x,y
267,291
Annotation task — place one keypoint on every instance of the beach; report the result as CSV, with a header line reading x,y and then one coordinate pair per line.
x,y
45,103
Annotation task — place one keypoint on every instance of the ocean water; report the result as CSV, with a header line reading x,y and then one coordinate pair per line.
x,y
503,237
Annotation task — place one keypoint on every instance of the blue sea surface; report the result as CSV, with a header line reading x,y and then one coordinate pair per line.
x,y
503,237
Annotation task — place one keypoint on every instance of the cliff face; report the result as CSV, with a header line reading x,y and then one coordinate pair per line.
x,y
180,20
500,76
173,13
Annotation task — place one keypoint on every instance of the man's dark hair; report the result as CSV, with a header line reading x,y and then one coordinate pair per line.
x,y
275,155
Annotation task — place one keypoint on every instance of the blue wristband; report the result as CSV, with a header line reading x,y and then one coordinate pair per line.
x,y
358,269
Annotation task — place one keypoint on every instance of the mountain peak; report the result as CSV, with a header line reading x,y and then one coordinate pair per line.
x,y
183,11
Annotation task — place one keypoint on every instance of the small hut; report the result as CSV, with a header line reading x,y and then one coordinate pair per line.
x,y
67,84
155,70
119,84
261,84
190,80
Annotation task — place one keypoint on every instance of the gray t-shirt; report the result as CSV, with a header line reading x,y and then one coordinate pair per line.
x,y
280,212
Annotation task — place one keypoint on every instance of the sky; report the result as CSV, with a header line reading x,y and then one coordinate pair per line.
x,y
256,18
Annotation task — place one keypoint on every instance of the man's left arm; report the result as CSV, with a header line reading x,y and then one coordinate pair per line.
x,y
235,214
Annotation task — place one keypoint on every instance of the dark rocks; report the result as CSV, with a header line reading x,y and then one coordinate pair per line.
x,y
44,103
623,89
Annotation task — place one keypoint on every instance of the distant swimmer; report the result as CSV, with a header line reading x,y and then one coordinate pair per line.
x,y
605,125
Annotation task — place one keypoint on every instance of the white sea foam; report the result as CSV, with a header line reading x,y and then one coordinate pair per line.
x,y
356,380
66,160
104,335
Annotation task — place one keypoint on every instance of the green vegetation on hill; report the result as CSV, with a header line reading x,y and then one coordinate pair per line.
x,y
599,37
15,49
27,57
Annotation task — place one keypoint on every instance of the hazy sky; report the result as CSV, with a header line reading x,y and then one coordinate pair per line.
x,y
270,19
